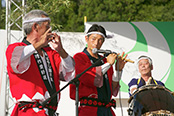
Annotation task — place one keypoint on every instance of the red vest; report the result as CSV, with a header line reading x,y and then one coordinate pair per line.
x,y
30,83
86,87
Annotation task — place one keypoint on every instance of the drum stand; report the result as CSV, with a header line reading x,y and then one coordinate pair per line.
x,y
131,108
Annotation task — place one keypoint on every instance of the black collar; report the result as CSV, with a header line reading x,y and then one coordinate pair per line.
x,y
25,41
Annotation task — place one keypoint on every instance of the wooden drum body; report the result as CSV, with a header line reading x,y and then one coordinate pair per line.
x,y
151,100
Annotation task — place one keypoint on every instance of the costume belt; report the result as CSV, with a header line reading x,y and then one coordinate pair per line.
x,y
96,102
36,104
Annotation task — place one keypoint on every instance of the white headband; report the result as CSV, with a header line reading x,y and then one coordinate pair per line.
x,y
96,32
145,57
37,20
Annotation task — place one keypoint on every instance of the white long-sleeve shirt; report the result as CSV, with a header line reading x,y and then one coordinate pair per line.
x,y
21,62
117,74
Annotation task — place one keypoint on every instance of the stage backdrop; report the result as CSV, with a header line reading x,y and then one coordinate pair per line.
x,y
154,39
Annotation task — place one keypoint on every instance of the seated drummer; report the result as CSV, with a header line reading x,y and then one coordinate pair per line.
x,y
145,67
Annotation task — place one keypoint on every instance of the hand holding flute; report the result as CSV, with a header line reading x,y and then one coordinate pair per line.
x,y
95,50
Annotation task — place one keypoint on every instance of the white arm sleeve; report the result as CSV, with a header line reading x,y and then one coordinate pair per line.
x,y
68,63
116,76
67,69
105,67
20,60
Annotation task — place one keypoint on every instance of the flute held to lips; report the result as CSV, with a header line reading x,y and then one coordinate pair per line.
x,y
95,50
52,37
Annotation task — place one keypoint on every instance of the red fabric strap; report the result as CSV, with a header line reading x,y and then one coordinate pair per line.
x,y
96,102
24,104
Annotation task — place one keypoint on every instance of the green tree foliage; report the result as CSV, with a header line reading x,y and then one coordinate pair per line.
x,y
2,17
68,15
14,16
51,7
115,11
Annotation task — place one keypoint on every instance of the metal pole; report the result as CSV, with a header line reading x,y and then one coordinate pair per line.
x,y
7,102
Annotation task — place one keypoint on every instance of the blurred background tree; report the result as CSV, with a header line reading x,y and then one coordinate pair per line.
x,y
68,15
2,15
51,7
